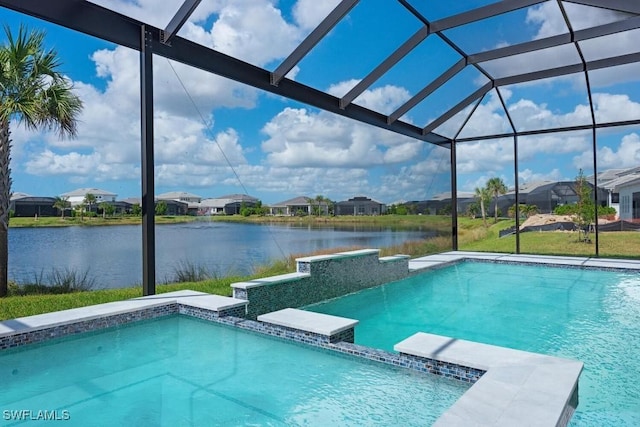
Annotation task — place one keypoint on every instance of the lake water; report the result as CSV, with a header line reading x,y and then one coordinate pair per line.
x,y
113,254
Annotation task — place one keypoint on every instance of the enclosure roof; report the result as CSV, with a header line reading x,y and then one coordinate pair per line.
x,y
468,56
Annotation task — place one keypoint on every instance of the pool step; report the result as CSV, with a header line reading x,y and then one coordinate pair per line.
x,y
516,385
332,328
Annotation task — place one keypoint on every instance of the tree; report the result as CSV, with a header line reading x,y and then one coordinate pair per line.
x,y
529,210
35,93
107,209
89,200
61,203
483,196
525,210
136,209
161,208
496,188
320,200
473,209
260,210
585,212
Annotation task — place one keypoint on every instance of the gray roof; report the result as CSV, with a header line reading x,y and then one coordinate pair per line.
x,y
177,195
528,187
133,200
297,201
361,199
238,198
18,195
447,195
84,191
214,203
623,181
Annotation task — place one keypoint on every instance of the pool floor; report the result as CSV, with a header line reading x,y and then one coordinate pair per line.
x,y
589,315
181,371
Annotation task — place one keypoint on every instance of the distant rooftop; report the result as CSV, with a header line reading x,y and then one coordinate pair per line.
x,y
238,198
171,195
84,191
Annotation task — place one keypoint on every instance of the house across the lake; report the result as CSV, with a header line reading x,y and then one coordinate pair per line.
x,y
300,205
76,197
360,205
23,205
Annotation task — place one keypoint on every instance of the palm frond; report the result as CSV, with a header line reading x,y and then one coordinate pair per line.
x,y
32,89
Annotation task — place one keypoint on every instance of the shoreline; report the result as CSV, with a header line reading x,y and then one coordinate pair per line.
x,y
378,220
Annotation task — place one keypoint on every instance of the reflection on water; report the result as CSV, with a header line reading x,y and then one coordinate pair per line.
x,y
113,254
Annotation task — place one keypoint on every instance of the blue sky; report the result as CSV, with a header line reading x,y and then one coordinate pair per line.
x,y
279,149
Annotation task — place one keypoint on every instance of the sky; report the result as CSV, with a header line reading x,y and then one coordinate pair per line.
x,y
215,137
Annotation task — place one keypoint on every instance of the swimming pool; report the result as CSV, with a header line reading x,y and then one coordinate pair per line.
x,y
201,373
584,314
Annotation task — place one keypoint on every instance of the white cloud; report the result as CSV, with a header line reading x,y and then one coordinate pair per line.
x,y
551,22
309,13
613,108
626,155
79,165
488,119
527,175
385,99
490,155
298,137
284,182
419,181
251,30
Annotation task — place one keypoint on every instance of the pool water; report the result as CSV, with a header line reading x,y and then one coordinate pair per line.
x,y
589,315
181,371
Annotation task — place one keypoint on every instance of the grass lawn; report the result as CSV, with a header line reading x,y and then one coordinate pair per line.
x,y
20,306
619,244
55,221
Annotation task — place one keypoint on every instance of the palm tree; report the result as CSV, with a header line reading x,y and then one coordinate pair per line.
x,y
89,200
483,197
34,93
529,210
61,203
496,187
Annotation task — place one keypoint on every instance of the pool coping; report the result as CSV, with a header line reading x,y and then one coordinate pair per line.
x,y
319,323
506,391
417,265
517,388
25,325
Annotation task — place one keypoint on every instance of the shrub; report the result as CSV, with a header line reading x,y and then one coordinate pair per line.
x,y
187,271
63,281
564,210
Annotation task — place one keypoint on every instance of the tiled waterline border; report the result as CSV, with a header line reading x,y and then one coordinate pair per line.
x,y
35,329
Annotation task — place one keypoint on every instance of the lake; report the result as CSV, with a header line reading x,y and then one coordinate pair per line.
x,y
113,254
